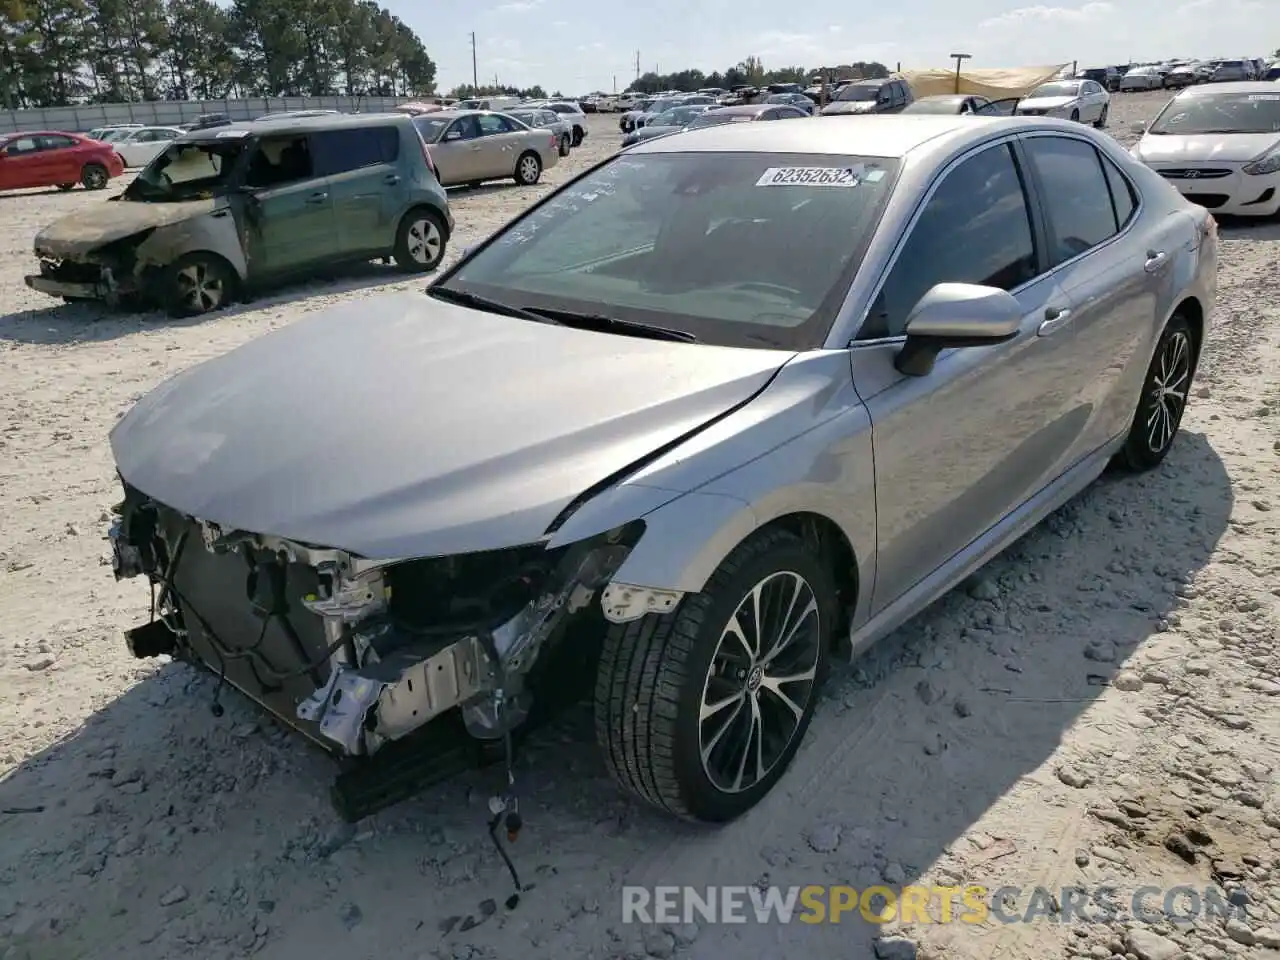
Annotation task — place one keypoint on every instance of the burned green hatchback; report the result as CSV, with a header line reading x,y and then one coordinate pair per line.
x,y
224,211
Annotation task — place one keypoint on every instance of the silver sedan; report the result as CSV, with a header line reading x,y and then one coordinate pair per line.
x,y
725,406
472,146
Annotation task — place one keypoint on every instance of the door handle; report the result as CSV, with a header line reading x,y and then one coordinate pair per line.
x,y
391,179
1055,318
317,198
1155,260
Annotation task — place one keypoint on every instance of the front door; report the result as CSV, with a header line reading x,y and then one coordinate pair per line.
x,y
959,448
24,163
458,154
289,222
500,139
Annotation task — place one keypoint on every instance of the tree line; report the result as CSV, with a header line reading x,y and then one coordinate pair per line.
x,y
752,71
60,52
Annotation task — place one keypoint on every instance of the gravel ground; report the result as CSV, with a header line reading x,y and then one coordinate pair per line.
x,y
1104,690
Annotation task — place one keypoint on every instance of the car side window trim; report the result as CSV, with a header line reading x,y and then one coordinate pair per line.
x,y
1038,234
1044,212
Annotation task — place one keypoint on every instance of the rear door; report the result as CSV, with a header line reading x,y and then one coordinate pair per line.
x,y
289,216
365,187
1089,209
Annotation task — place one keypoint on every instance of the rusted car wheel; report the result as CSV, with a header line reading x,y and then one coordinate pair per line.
x,y
420,241
197,284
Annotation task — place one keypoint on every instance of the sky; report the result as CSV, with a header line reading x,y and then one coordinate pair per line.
x,y
577,46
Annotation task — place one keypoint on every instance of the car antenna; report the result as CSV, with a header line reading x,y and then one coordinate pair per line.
x,y
505,807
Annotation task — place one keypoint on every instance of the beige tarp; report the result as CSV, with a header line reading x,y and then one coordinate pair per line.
x,y
992,84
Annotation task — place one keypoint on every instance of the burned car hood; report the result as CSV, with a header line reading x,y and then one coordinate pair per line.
x,y
401,426
104,222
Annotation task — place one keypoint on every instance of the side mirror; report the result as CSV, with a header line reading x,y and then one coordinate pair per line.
x,y
1138,128
453,135
956,315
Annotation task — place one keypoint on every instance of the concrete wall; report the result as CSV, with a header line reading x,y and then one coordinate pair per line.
x,y
169,112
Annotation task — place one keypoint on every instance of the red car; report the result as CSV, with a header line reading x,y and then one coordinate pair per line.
x,y
47,158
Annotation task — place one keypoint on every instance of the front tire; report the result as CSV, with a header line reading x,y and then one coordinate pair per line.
x,y
1075,116
197,284
94,176
1102,119
1164,398
421,240
699,712
565,143
528,169
578,136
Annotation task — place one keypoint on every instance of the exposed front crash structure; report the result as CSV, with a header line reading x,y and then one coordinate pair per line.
x,y
359,655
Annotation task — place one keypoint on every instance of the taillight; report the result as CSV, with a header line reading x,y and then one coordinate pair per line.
x,y
555,142
426,155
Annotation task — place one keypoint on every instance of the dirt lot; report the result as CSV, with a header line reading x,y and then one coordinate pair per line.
x,y
1105,689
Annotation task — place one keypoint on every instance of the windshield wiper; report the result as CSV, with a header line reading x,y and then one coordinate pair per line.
x,y
597,321
464,299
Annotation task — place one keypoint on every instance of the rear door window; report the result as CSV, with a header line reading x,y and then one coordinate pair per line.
x,y
1076,193
338,151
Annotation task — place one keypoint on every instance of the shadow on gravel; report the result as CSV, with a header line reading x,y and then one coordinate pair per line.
x,y
912,745
65,323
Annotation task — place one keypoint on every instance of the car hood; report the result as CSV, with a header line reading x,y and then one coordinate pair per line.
x,y
402,426
1227,147
839,107
99,225
648,132
1046,103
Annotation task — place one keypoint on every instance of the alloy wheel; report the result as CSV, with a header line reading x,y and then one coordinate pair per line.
x,y
528,169
424,241
760,682
200,288
95,179
1169,384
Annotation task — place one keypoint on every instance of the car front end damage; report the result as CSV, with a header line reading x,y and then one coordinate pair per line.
x,y
409,671
119,250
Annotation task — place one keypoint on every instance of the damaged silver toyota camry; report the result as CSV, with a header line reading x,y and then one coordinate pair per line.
x,y
723,406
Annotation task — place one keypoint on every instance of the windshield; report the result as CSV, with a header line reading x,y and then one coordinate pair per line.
x,y
657,106
676,117
857,92
736,249
1055,90
1220,113
1232,64
945,105
525,117
187,171
431,127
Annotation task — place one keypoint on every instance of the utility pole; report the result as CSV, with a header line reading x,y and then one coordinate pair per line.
x,y
960,58
637,64
475,74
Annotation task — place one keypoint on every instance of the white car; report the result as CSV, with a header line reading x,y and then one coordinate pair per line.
x,y
1142,78
628,101
140,146
572,114
114,130
1081,100
1220,146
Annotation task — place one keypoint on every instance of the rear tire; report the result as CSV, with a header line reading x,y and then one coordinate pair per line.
x,y
421,240
565,143
578,136
528,169
1163,400
94,176
666,681
197,284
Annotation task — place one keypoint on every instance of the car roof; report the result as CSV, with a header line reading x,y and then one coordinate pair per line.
x,y
743,110
946,97
891,136
39,133
1239,86
338,121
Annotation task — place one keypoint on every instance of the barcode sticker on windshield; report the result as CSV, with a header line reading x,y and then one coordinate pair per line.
x,y
811,177
1264,96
